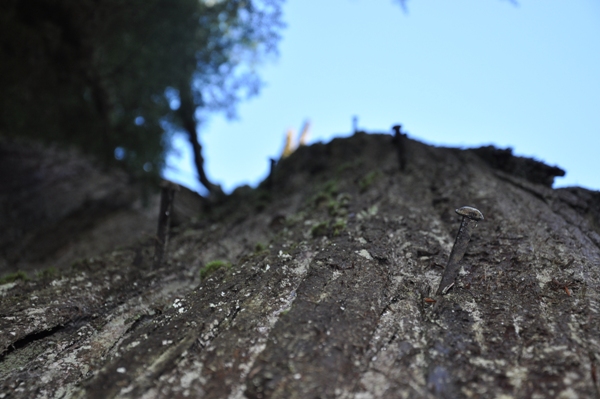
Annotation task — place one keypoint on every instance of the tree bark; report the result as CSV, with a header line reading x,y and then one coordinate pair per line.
x,y
330,290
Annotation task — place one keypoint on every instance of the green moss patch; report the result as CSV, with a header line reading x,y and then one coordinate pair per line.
x,y
338,226
9,278
367,181
213,266
49,273
320,229
259,247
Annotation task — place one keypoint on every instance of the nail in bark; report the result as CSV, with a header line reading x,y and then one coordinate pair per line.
x,y
469,221
399,141
167,195
269,182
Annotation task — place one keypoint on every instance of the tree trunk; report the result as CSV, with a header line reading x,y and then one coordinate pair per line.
x,y
186,112
329,290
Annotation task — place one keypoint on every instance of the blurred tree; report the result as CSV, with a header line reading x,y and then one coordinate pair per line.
x,y
402,4
116,78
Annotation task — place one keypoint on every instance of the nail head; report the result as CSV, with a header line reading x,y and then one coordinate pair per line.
x,y
470,212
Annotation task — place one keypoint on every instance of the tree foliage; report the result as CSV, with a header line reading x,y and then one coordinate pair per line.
x,y
106,75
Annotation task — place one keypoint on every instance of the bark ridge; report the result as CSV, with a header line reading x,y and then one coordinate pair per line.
x,y
326,289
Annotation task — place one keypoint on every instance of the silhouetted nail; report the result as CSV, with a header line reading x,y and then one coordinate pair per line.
x,y
269,182
167,196
398,141
470,218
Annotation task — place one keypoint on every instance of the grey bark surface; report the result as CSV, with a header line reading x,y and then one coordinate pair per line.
x,y
57,206
331,290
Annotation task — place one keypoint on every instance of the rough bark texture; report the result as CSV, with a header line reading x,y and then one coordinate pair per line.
x,y
325,293
57,206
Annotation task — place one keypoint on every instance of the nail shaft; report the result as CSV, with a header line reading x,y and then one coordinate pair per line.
x,y
470,218
399,141
167,196
269,182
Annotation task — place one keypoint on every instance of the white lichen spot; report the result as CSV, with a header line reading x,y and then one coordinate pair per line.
x,y
543,277
477,326
58,283
570,378
516,376
516,320
121,370
193,374
365,254
575,330
487,363
126,390
6,287
568,393
443,239
558,348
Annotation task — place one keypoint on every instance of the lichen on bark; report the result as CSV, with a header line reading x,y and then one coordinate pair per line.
x,y
336,314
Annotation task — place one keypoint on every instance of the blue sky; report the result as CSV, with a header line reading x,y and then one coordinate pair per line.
x,y
457,73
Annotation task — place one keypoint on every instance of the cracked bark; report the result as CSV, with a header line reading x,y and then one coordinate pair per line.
x,y
332,304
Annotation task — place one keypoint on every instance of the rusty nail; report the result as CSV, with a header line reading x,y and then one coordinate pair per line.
x,y
399,141
167,196
469,221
